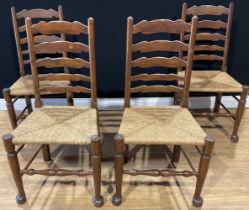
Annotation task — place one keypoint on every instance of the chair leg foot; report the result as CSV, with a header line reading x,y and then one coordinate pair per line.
x,y
116,200
98,202
234,138
20,199
197,202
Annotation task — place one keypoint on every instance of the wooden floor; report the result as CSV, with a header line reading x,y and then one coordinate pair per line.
x,y
227,184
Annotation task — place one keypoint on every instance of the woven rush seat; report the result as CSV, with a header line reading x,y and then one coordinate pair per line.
x,y
24,86
57,125
213,81
169,125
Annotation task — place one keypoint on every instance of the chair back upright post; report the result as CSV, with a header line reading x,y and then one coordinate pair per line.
x,y
18,29
153,27
214,11
58,48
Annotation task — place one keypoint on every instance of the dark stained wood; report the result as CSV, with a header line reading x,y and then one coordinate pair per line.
x,y
75,89
128,65
157,77
239,113
228,36
189,59
161,26
159,45
91,41
96,163
208,57
62,62
56,27
119,164
46,152
37,13
207,10
158,172
212,24
10,107
209,48
202,171
172,62
60,47
207,37
63,76
14,167
56,172
156,88
176,153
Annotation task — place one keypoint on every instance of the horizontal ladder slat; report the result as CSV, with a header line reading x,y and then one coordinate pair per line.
x,y
207,10
157,77
173,62
37,13
211,24
60,47
161,26
208,48
62,62
65,89
208,57
156,89
54,27
207,37
63,76
160,45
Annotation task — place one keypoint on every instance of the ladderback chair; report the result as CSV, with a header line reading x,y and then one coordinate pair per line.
x,y
172,125
212,45
59,124
23,86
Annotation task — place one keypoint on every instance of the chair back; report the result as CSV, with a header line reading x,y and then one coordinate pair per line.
x,y
55,60
159,26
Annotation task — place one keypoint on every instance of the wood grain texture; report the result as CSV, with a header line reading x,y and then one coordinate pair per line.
x,y
37,13
212,24
62,62
157,77
207,10
63,76
208,57
159,45
161,26
156,88
172,62
208,48
60,47
65,89
54,27
41,38
207,36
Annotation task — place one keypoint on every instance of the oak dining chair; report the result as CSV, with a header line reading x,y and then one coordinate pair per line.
x,y
212,46
171,125
23,86
70,125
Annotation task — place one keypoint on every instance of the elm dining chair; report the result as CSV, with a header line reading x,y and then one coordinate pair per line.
x,y
72,125
172,125
212,45
23,86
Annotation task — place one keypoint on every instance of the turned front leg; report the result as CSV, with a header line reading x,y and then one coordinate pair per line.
x,y
14,167
239,113
119,164
10,107
203,169
96,165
